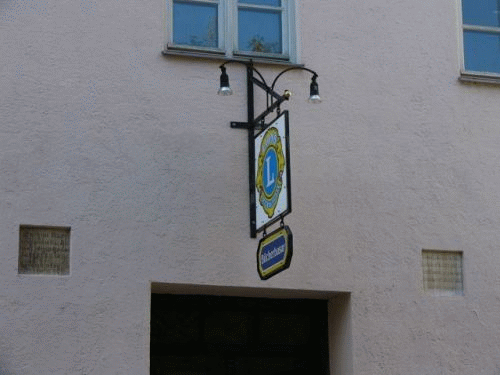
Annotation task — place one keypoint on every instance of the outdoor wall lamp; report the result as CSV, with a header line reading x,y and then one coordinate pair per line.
x,y
253,123
225,89
314,91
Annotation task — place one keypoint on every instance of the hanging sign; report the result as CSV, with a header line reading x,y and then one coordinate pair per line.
x,y
272,173
274,253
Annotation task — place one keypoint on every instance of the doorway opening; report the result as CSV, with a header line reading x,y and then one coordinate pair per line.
x,y
227,335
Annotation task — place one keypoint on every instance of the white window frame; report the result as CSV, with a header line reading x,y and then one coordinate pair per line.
x,y
228,32
471,75
169,24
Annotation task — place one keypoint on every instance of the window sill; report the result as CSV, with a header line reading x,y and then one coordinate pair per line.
x,y
445,293
483,78
222,57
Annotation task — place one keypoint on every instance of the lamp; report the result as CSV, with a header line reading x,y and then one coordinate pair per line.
x,y
224,89
314,91
314,98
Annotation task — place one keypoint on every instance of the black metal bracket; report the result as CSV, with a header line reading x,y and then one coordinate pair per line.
x,y
243,125
273,102
258,123
247,125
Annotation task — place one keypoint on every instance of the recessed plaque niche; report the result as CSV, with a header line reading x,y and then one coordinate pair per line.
x,y
43,250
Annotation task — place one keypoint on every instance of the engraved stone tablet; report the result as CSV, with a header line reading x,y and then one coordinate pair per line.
x,y
43,250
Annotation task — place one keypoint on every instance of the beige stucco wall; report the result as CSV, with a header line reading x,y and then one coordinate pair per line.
x,y
133,151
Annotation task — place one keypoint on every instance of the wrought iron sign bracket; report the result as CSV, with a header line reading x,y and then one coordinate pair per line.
x,y
245,125
273,102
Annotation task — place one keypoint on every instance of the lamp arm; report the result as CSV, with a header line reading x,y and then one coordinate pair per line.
x,y
260,75
266,88
293,68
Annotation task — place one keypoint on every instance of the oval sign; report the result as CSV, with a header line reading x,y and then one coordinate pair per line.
x,y
274,253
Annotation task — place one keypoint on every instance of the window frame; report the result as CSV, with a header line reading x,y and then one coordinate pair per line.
x,y
474,75
228,32
169,27
285,30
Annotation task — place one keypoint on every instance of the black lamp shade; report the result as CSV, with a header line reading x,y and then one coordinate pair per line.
x,y
224,83
314,91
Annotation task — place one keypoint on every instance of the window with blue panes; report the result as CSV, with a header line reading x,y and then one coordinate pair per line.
x,y
261,28
195,23
481,36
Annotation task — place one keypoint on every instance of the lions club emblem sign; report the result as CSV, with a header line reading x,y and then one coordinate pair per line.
x,y
270,169
272,177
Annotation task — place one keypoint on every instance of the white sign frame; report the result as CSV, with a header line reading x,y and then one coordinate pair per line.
x,y
273,199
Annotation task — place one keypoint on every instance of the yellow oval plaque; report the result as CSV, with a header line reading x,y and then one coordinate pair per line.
x,y
274,253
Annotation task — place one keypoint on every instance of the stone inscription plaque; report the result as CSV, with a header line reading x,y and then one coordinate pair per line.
x,y
43,250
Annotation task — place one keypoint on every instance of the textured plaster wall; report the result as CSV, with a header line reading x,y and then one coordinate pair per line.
x,y
414,164
133,150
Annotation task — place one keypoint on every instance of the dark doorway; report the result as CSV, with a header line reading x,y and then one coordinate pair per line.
x,y
213,335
